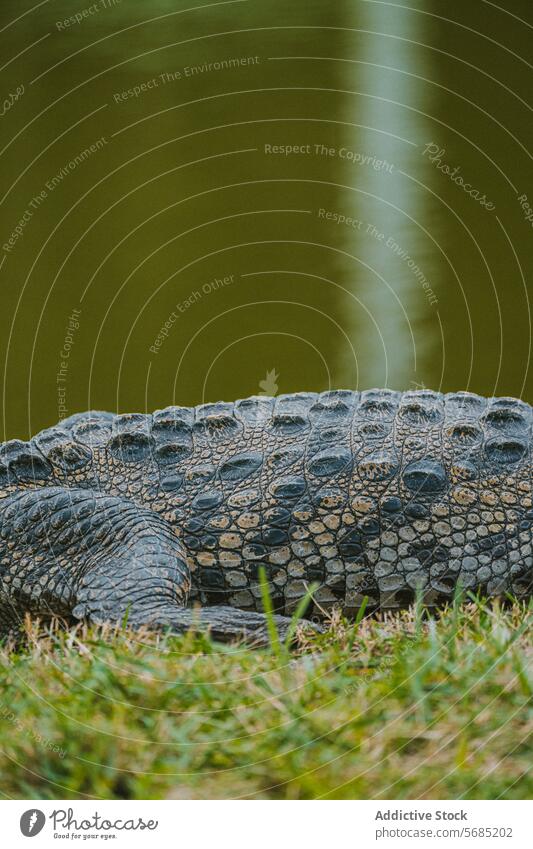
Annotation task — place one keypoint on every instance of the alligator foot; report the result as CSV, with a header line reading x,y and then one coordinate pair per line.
x,y
82,554
227,624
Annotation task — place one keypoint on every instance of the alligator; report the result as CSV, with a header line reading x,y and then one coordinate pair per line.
x,y
184,516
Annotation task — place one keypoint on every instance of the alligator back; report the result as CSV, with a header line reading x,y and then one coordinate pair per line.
x,y
379,493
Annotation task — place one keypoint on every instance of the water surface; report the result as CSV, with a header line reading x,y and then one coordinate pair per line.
x,y
252,197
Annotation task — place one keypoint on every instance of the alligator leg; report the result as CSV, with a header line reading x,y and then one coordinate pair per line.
x,y
82,554
85,555
226,624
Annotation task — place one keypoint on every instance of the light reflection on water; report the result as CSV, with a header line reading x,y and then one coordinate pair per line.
x,y
389,210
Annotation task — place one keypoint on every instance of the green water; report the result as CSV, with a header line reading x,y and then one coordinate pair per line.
x,y
203,260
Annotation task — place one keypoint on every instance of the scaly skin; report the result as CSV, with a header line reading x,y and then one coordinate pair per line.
x,y
376,494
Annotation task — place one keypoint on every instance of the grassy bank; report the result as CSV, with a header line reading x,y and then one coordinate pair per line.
x,y
394,708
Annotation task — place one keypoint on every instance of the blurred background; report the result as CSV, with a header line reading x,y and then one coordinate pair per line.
x,y
204,202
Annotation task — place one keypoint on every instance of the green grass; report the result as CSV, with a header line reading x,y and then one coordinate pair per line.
x,y
392,707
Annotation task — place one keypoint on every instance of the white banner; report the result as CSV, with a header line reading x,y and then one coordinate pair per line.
x,y
267,825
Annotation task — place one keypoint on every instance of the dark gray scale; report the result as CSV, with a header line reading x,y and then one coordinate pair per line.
x,y
284,485
215,433
173,424
93,431
376,462
378,405
462,439
284,445
216,423
173,445
464,405
238,467
328,470
131,440
463,432
246,475
520,558
282,460
69,459
374,466
375,417
200,500
506,425
418,440
330,462
275,526
374,471
425,477
506,416
522,571
422,486
291,414
288,489
215,471
20,462
329,450
207,500
377,466
428,565
281,484
462,449
463,435
414,400
235,472
254,412
78,419
214,427
126,465
374,539
504,450
90,429
201,490
333,409
421,409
